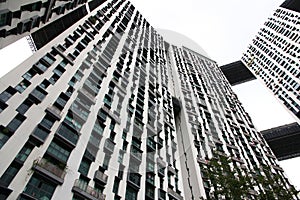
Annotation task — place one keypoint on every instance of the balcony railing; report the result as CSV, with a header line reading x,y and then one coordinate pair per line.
x,y
161,194
151,144
100,177
83,189
67,136
109,146
160,142
54,111
89,96
136,153
134,179
38,94
171,170
151,156
49,169
79,112
174,194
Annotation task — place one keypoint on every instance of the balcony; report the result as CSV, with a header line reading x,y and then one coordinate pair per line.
x,y
151,145
100,177
109,146
202,161
231,146
37,95
174,194
5,191
54,111
67,136
277,167
134,179
150,193
137,129
150,179
111,114
39,135
40,67
82,189
161,194
171,170
92,88
86,94
160,162
270,155
60,52
50,170
136,153
151,130
150,156
237,160
160,142
170,125
82,114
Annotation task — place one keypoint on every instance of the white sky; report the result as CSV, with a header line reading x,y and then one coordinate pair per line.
x,y
223,28
13,55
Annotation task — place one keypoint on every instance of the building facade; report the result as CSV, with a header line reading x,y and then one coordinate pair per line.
x,y
273,56
110,110
20,18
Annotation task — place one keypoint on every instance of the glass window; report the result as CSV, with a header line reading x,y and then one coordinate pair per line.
x,y
121,156
95,140
47,122
4,19
49,59
102,115
63,64
5,95
98,129
16,122
106,161
116,186
24,106
9,175
68,133
22,86
131,194
58,152
28,75
3,138
24,152
39,188
84,167
41,133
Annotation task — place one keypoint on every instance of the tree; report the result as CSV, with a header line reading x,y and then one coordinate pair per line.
x,y
230,183
272,186
227,182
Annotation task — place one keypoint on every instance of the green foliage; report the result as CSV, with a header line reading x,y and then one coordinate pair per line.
x,y
227,182
232,184
273,186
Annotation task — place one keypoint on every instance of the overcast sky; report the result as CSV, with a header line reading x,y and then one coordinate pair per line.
x,y
223,28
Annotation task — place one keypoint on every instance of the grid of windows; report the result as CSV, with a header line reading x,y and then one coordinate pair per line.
x,y
272,56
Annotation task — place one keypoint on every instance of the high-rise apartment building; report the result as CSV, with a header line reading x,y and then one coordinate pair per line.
x,y
110,110
50,17
273,56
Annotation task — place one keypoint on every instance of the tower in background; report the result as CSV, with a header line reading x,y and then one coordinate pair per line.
x,y
110,110
273,56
